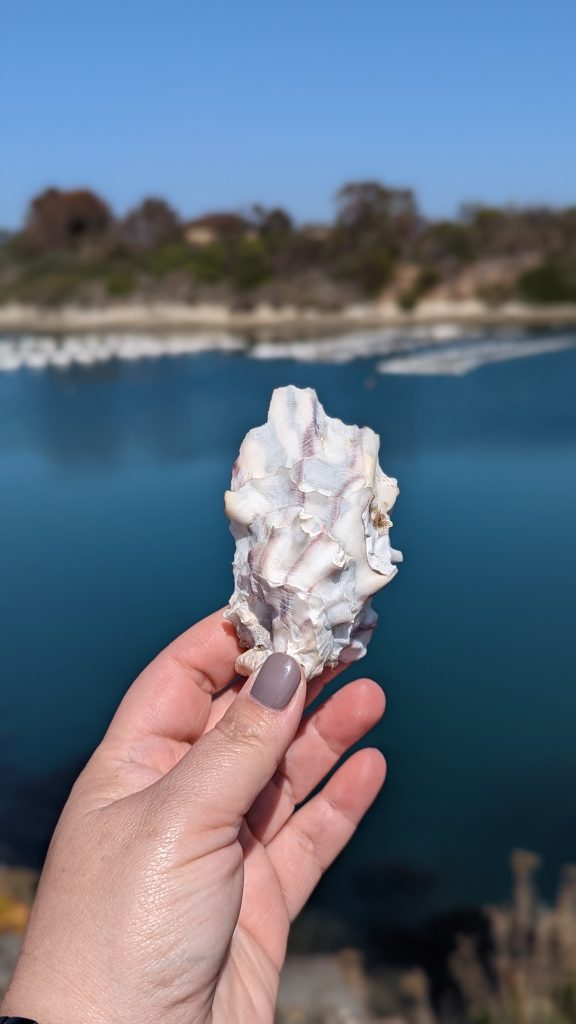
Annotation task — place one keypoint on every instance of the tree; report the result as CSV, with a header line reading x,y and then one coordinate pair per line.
x,y
149,225
445,243
371,213
510,230
66,220
375,226
274,225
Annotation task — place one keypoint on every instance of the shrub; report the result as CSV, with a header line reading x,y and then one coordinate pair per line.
x,y
120,283
167,258
250,266
209,264
369,269
550,282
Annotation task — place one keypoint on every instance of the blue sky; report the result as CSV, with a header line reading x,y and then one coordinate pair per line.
x,y
227,102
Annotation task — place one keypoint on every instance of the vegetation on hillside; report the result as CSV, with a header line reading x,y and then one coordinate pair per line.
x,y
514,963
73,249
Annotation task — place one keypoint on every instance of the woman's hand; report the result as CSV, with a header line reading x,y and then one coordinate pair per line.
x,y
180,860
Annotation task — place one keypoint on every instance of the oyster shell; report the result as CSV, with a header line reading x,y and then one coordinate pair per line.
x,y
309,510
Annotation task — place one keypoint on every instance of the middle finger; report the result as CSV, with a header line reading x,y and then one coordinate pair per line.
x,y
321,740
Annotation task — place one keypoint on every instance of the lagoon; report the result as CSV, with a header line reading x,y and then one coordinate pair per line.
x,y
113,539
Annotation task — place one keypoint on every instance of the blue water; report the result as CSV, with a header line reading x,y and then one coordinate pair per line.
x,y
113,539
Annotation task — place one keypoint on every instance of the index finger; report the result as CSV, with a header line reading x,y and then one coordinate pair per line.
x,y
173,695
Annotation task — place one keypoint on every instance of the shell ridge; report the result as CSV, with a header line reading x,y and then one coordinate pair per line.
x,y
308,507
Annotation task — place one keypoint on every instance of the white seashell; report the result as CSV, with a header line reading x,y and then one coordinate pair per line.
x,y
309,509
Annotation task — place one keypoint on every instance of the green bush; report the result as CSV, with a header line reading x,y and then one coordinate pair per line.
x,y
166,259
50,289
250,266
550,282
210,264
120,283
370,269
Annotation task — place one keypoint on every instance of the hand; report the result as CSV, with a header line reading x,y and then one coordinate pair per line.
x,y
180,860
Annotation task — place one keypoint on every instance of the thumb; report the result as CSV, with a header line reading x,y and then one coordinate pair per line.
x,y
218,780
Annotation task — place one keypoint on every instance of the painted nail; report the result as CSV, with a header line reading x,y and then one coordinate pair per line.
x,y
276,682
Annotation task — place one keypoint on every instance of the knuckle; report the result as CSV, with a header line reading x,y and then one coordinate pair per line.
x,y
242,732
308,848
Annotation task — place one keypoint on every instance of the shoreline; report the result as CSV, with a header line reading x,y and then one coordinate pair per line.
x,y
273,322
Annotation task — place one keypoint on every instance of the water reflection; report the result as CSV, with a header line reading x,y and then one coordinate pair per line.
x,y
85,419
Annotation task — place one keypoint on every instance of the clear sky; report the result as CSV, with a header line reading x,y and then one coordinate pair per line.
x,y
225,102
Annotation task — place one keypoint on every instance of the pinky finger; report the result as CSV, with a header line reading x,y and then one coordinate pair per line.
x,y
314,836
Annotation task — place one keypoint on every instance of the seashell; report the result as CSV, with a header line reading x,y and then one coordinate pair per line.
x,y
309,510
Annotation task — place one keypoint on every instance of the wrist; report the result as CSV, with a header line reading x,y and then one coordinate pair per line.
x,y
30,1010
42,1003
16,1020
44,1009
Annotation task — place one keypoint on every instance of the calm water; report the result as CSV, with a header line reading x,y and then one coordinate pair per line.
x,y
113,539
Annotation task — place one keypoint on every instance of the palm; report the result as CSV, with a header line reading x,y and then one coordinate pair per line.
x,y
283,851
258,943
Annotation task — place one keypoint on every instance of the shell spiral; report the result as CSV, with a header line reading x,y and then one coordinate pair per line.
x,y
309,510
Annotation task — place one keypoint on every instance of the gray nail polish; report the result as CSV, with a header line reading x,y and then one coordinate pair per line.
x,y
276,682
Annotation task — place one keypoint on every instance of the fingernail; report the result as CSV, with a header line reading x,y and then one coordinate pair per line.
x,y
276,682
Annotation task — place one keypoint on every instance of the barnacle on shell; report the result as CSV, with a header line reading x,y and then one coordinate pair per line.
x,y
309,510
